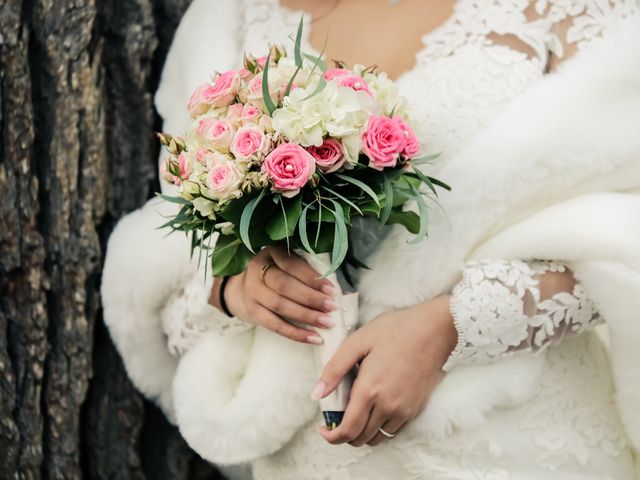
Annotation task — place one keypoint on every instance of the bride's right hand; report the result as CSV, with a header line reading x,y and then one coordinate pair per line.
x,y
289,291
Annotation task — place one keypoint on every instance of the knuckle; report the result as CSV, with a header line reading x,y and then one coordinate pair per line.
x,y
349,434
370,394
277,303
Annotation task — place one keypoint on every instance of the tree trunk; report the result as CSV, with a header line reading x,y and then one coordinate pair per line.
x,y
77,153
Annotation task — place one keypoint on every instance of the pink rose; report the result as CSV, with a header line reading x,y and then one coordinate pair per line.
x,y
250,114
383,142
332,73
412,144
224,89
219,94
234,114
245,74
219,133
355,82
185,168
224,180
248,140
329,156
197,104
289,166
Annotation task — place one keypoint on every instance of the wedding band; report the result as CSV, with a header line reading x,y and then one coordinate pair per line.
x,y
264,270
385,433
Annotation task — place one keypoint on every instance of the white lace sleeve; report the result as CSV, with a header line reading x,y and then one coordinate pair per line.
x,y
188,315
498,311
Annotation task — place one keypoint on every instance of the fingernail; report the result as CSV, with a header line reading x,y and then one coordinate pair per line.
x,y
315,339
318,391
330,305
328,289
326,321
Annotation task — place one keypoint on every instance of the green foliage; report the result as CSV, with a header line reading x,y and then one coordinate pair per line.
x,y
266,96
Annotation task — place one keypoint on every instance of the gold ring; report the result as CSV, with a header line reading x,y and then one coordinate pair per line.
x,y
264,270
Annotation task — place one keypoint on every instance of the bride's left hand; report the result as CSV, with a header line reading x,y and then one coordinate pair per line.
x,y
401,355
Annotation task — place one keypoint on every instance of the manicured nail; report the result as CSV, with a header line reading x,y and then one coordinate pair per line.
x,y
318,391
328,289
326,321
330,305
315,339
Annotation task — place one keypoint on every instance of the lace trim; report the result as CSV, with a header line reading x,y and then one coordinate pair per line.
x,y
188,315
497,311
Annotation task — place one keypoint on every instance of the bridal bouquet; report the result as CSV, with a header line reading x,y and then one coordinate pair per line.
x,y
288,151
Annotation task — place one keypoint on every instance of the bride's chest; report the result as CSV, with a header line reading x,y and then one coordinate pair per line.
x,y
457,85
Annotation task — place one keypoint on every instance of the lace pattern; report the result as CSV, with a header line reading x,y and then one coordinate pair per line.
x,y
498,311
188,315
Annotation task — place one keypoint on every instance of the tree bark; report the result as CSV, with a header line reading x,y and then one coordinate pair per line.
x,y
77,152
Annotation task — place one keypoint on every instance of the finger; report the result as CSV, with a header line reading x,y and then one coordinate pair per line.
x,y
271,321
297,291
283,307
297,267
355,418
378,417
394,426
352,350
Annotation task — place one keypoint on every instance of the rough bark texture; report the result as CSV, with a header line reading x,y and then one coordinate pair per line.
x,y
76,153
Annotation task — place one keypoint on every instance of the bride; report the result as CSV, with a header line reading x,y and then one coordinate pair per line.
x,y
480,352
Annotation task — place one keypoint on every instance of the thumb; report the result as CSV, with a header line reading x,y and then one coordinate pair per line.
x,y
350,352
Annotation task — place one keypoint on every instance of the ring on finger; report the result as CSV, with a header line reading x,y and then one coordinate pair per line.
x,y
385,433
263,271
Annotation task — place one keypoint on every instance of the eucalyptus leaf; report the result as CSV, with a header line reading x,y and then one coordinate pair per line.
x,y
266,96
424,216
245,219
322,83
410,220
174,199
282,224
344,199
296,50
229,257
304,238
363,186
388,201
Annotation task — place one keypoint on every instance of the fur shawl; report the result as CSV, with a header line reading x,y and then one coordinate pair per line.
x,y
555,176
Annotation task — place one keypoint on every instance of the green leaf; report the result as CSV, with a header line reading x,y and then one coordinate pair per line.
x,y
245,219
290,84
296,49
233,212
304,238
370,209
424,216
388,201
322,83
425,180
318,61
229,257
266,96
283,224
410,220
440,184
425,159
344,199
363,186
172,199
340,239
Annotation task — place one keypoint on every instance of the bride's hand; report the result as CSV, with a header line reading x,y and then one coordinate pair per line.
x,y
289,291
401,356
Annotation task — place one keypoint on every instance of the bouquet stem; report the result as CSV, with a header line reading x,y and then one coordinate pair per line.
x,y
334,405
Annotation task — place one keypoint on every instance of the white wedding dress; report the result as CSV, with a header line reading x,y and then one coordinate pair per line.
x,y
463,78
